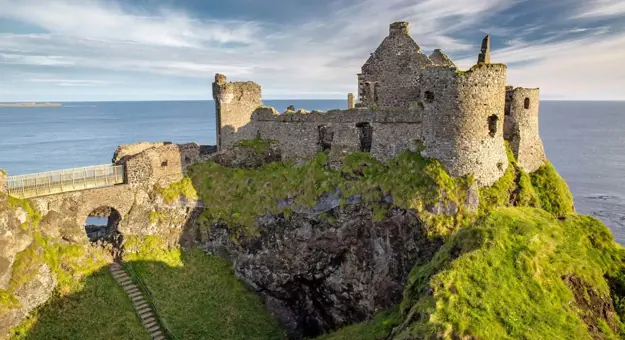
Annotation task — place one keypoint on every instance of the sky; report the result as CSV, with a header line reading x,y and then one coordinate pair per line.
x,y
100,50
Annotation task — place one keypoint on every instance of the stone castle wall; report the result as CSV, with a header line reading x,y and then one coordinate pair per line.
x,y
521,127
163,163
234,103
302,134
463,120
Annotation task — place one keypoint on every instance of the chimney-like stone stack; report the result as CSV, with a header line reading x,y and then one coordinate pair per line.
x,y
484,56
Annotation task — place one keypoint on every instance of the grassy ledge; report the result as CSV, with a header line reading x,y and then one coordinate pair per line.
x,y
237,196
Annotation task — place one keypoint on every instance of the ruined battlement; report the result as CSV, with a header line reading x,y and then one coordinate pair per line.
x,y
405,96
363,114
399,28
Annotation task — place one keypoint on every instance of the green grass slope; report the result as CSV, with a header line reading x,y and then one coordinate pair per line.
x,y
515,275
99,310
198,296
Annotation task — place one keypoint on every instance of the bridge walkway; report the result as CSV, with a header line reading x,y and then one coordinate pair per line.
x,y
60,181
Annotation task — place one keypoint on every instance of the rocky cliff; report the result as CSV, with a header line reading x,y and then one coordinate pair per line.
x,y
329,246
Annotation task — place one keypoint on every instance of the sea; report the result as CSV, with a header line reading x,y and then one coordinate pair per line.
x,y
584,140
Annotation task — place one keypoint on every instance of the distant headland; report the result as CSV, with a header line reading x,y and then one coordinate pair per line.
x,y
30,105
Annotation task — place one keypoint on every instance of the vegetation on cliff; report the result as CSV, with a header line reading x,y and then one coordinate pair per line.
x,y
198,295
517,274
523,265
238,196
82,290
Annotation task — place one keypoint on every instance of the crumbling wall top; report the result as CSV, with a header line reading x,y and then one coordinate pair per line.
x,y
484,56
440,58
399,28
356,115
220,78
133,149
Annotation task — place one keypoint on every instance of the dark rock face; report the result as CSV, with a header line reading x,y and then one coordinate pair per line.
x,y
321,269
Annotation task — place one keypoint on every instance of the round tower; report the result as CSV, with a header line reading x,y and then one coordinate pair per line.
x,y
521,127
463,120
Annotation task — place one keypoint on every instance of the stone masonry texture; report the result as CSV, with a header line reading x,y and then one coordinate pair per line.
x,y
521,127
405,96
234,103
484,56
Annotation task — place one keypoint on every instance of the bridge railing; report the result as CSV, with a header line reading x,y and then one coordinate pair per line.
x,y
54,182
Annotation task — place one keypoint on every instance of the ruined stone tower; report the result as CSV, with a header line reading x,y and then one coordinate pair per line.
x,y
521,127
463,120
234,103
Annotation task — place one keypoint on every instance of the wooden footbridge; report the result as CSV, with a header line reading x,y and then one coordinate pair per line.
x,y
60,181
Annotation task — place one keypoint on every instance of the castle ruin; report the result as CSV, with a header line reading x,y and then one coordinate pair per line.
x,y
461,117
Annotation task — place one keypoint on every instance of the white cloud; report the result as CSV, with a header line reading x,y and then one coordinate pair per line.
x,y
107,21
318,57
600,8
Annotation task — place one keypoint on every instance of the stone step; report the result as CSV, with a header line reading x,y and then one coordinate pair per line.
x,y
127,284
153,329
141,305
149,323
121,277
132,290
146,315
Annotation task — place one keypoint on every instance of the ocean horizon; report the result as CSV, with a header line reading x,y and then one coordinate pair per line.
x,y
582,139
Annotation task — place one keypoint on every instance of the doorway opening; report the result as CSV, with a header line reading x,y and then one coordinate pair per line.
x,y
365,133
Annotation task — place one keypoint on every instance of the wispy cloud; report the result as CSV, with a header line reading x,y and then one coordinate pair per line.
x,y
600,8
318,56
109,22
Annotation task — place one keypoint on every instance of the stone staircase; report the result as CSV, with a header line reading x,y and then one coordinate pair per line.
x,y
142,308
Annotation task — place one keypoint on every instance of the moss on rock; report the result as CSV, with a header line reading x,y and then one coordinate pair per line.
x,y
172,193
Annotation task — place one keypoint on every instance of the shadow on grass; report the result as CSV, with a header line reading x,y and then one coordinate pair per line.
x,y
197,296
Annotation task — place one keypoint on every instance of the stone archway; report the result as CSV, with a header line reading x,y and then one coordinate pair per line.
x,y
101,225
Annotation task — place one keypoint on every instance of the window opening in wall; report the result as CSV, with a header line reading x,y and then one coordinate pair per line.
x,y
187,159
163,164
492,125
526,103
325,137
365,132
428,96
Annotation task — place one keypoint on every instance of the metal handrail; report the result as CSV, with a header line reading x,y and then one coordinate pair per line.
x,y
54,182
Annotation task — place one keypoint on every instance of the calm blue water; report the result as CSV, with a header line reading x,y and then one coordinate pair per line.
x,y
584,140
